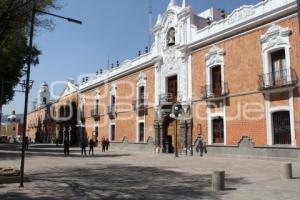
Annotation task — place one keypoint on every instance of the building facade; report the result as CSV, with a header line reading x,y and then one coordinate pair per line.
x,y
233,76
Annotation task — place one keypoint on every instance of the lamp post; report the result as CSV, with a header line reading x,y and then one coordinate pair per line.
x,y
33,13
176,113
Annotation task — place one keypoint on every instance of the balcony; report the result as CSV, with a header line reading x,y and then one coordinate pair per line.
x,y
140,106
209,92
95,114
278,79
111,111
168,98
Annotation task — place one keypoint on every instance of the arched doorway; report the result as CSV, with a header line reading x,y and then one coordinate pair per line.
x,y
170,136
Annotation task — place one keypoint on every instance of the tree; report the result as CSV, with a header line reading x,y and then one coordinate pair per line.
x,y
15,17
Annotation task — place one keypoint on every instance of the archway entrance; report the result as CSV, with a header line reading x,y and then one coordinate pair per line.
x,y
170,140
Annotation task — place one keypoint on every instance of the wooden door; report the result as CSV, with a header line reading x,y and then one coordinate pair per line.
x,y
218,130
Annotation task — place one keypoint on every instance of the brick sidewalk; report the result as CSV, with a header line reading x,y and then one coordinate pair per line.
x,y
132,175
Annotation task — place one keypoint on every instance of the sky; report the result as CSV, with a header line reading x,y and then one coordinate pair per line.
x,y
114,29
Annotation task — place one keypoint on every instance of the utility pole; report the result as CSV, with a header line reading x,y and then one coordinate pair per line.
x,y
27,83
1,101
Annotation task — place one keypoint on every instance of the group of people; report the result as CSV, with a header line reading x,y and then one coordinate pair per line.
x,y
87,143
105,144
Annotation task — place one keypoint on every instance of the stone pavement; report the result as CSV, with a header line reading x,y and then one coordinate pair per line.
x,y
133,175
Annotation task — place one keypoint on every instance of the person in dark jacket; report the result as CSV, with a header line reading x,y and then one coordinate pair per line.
x,y
106,144
91,144
83,146
103,143
66,147
201,146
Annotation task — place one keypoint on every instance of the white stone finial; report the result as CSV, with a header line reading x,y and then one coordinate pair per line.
x,y
172,3
184,3
159,18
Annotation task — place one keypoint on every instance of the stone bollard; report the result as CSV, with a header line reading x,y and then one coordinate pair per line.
x,y
286,171
218,181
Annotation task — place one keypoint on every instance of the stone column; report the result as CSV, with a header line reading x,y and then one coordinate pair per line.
x,y
161,135
189,136
156,129
183,136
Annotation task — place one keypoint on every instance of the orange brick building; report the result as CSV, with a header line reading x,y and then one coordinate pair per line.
x,y
233,76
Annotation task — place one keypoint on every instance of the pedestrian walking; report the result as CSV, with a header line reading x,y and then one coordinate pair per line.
x,y
103,143
66,147
83,146
201,147
91,144
106,144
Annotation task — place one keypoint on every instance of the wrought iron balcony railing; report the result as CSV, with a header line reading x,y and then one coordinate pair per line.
x,y
169,98
214,91
95,113
277,79
140,104
111,111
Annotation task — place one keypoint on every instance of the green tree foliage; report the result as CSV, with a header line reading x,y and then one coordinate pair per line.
x,y
15,17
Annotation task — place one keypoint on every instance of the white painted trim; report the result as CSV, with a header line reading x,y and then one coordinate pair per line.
x,y
290,109
269,128
225,122
212,116
190,81
292,118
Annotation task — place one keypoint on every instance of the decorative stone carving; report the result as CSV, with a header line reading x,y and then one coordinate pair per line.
x,y
113,89
215,56
141,80
275,35
240,14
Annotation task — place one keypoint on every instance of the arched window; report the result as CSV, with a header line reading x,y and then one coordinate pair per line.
x,y
171,37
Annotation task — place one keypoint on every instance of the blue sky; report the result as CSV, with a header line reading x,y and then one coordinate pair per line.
x,y
114,28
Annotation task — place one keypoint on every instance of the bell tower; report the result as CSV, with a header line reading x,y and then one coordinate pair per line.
x,y
44,94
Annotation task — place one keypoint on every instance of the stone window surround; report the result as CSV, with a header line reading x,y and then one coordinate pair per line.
x,y
110,125
215,57
211,117
277,38
138,131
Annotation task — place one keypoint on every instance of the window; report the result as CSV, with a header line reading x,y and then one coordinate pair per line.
x,y
141,136
141,99
112,132
14,128
97,106
171,37
278,64
281,127
172,88
216,76
44,100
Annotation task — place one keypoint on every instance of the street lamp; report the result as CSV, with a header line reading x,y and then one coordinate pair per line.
x,y
176,114
27,86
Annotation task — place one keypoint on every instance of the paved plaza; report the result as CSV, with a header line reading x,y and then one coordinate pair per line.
x,y
132,175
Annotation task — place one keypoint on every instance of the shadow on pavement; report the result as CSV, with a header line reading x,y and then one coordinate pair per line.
x,y
119,182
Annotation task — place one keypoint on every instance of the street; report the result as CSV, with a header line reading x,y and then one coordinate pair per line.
x,y
132,175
